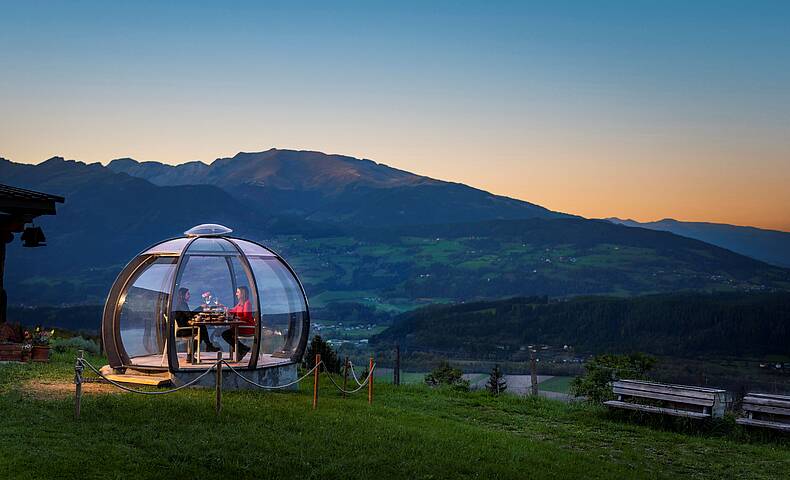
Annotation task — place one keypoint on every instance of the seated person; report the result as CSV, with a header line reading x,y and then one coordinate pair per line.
x,y
243,311
182,315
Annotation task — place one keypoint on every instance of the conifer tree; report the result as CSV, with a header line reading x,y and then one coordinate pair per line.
x,y
496,381
328,356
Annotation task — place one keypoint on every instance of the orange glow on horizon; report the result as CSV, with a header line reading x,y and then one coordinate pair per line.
x,y
595,188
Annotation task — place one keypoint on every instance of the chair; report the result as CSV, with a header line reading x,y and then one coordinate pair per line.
x,y
190,341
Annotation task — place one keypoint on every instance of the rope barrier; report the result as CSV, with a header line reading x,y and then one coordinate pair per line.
x,y
143,392
270,387
361,385
353,374
81,362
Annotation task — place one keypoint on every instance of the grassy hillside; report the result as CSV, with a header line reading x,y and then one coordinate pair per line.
x,y
399,268
409,432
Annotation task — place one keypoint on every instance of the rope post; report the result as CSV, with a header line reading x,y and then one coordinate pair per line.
x,y
78,368
315,380
345,377
218,366
370,382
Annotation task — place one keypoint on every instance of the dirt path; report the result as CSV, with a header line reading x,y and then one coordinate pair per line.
x,y
55,389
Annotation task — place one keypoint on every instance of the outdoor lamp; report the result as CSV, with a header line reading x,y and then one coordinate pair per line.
x,y
33,237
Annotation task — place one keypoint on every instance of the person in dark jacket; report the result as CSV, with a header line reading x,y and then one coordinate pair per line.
x,y
183,314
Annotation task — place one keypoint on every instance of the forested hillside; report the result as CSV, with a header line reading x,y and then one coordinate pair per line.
x,y
671,324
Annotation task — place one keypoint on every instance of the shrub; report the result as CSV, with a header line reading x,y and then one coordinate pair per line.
x,y
73,344
446,375
601,370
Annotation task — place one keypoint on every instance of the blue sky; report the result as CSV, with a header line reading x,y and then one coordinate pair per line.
x,y
636,109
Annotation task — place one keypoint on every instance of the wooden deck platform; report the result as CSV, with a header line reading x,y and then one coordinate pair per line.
x,y
156,361
154,380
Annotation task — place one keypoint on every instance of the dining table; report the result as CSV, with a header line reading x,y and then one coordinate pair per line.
x,y
214,321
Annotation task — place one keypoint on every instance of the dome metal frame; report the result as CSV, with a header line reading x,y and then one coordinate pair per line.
x,y
111,332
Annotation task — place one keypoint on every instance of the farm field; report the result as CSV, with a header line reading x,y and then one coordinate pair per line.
x,y
556,384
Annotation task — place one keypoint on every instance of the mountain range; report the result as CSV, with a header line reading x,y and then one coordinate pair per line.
x,y
355,230
770,246
336,189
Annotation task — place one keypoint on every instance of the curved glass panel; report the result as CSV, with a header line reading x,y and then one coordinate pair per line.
x,y
252,249
215,305
244,310
283,309
210,229
175,246
211,246
142,308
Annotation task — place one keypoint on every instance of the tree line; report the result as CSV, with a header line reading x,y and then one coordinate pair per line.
x,y
686,324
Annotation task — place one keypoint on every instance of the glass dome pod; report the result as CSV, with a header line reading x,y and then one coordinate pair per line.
x,y
180,301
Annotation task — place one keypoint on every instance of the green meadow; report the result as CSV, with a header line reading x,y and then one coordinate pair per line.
x,y
409,432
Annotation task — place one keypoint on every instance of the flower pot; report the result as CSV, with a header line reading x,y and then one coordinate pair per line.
x,y
11,352
40,353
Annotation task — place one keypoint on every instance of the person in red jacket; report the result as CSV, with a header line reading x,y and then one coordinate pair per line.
x,y
242,311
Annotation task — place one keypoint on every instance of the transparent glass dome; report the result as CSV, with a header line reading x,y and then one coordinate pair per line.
x,y
182,302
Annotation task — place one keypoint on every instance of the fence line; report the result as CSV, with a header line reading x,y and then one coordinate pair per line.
x,y
81,363
270,387
353,374
144,392
361,385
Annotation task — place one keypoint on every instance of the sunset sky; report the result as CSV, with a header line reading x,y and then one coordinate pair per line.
x,y
635,109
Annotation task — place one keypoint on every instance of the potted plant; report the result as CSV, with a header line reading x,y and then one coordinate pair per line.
x,y
40,342
27,346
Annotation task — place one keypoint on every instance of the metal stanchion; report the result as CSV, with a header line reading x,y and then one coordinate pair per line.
x,y
218,366
78,368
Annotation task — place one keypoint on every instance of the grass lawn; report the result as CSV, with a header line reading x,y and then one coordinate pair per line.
x,y
409,432
406,378
556,384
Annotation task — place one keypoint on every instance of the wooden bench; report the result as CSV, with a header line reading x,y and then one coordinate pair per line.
x,y
679,400
765,410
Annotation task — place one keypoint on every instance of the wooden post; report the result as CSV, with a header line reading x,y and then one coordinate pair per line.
x,y
370,381
345,377
219,382
315,380
533,372
396,376
78,367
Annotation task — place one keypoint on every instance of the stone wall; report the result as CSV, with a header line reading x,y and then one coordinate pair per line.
x,y
270,376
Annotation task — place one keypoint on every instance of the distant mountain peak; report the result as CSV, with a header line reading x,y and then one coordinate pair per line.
x,y
771,246
123,161
56,159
